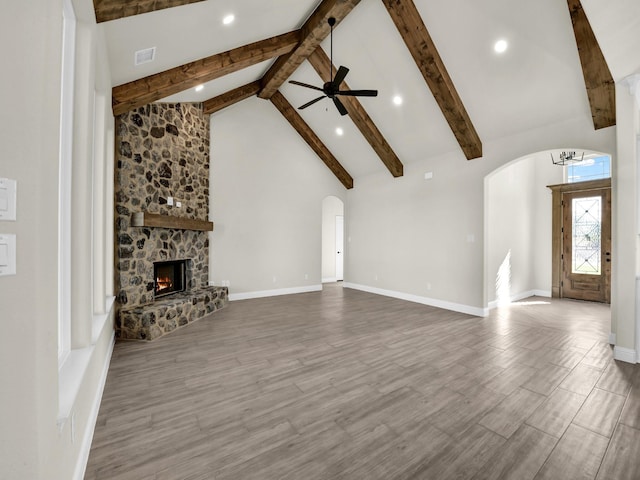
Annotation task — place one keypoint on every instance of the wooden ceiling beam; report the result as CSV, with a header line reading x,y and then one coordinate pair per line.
x,y
296,121
107,10
231,97
597,76
314,31
409,23
322,65
155,87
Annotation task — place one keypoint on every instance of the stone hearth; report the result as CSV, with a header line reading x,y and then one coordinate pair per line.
x,y
152,321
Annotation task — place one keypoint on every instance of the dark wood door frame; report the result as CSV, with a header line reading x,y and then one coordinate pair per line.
x,y
556,229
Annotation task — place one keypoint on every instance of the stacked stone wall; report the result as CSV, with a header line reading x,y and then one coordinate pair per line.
x,y
162,152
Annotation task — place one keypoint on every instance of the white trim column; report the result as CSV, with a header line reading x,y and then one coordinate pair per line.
x,y
99,205
81,195
109,204
65,181
624,323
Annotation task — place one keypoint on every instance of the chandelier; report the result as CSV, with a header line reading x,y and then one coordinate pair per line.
x,y
567,158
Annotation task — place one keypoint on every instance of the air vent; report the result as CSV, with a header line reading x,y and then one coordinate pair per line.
x,y
145,56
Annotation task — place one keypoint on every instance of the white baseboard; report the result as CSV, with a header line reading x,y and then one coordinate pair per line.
x,y
625,354
521,296
329,280
456,307
612,338
541,293
87,438
274,293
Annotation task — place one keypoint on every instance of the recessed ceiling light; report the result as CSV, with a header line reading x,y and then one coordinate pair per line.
x,y
339,131
228,20
500,46
199,88
397,100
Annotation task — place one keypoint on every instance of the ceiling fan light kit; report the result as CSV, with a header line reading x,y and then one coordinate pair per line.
x,y
331,89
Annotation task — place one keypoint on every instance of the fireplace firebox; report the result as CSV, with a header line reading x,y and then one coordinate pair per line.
x,y
169,277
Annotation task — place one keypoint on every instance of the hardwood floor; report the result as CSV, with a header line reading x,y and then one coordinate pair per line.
x,y
343,384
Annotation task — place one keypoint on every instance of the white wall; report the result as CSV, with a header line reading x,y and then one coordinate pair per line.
x,y
510,224
624,205
331,208
518,228
409,234
267,188
36,437
546,174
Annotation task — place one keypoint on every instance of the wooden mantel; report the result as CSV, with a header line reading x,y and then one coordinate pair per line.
x,y
145,219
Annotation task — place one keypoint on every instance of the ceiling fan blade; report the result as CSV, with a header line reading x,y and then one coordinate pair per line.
x,y
311,102
359,93
306,85
339,78
340,106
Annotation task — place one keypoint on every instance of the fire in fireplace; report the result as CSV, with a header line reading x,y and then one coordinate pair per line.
x,y
169,277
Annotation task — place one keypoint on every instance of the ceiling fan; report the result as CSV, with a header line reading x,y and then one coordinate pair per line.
x,y
331,89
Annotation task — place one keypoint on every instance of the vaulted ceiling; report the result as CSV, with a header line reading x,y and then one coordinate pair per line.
x,y
436,54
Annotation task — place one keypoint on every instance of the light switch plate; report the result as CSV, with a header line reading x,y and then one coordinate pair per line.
x,y
7,255
7,199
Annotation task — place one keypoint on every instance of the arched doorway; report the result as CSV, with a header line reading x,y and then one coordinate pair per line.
x,y
518,227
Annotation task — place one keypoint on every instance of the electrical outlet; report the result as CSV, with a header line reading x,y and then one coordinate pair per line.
x,y
306,276
170,201
178,204
275,279
375,277
428,286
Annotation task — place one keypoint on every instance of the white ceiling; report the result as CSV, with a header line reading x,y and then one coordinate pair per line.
x,y
537,81
616,24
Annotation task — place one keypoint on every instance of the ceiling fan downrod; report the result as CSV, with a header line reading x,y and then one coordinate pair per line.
x,y
332,22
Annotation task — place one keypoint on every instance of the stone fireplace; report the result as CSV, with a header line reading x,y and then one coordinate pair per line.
x,y
162,202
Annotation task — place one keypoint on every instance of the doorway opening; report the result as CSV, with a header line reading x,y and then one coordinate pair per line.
x,y
332,240
519,225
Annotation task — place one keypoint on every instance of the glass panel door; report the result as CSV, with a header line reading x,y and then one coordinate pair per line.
x,y
587,235
586,245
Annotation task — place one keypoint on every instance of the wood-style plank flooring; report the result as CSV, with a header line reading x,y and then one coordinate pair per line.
x,y
343,384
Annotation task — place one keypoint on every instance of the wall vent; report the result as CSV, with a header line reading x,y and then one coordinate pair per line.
x,y
145,56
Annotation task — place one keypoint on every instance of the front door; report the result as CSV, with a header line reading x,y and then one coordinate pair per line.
x,y
586,245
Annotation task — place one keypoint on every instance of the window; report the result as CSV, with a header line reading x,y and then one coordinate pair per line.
x,y
591,168
587,235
